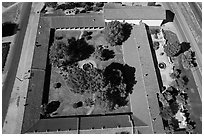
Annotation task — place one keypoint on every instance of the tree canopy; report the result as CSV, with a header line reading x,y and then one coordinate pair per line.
x,y
96,81
188,59
117,32
89,81
172,49
70,51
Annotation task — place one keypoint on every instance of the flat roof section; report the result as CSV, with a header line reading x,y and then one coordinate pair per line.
x,y
144,102
138,99
149,76
99,122
33,100
42,44
56,124
92,20
107,131
118,12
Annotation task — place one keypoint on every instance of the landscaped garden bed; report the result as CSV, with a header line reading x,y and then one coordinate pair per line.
x,y
88,75
174,100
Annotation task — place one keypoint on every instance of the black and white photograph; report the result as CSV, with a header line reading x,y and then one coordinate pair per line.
x,y
101,67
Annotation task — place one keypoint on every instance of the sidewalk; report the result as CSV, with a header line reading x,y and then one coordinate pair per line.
x,y
13,122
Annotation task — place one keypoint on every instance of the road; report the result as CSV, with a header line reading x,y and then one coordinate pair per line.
x,y
197,11
15,57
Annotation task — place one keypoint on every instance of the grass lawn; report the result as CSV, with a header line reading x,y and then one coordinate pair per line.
x,y
64,93
5,51
172,37
7,4
12,15
68,33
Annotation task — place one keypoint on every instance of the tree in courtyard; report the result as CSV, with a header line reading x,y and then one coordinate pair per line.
x,y
58,53
89,81
63,53
107,54
188,59
49,108
57,85
104,54
79,50
172,49
116,32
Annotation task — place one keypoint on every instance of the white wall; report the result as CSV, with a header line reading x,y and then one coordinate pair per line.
x,y
152,22
148,22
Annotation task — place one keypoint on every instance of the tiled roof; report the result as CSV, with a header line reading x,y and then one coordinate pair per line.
x,y
56,124
99,122
151,81
92,20
117,12
144,102
33,100
42,44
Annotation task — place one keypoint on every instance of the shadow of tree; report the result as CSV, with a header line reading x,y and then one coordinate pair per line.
x,y
9,29
185,46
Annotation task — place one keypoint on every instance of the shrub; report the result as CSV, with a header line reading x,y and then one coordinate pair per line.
x,y
188,59
89,102
154,31
104,54
174,107
78,104
57,85
107,54
156,45
172,49
51,107
176,73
